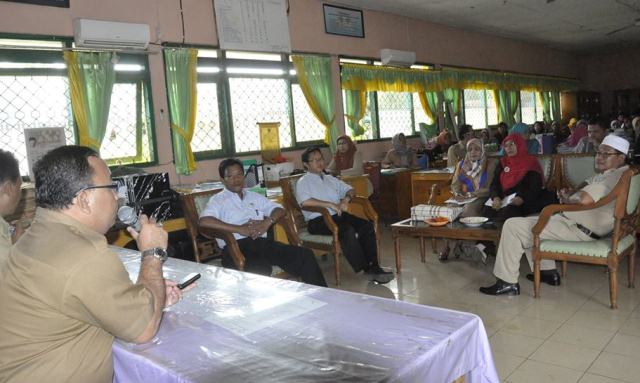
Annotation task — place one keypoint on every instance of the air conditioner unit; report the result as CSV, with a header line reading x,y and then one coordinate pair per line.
x,y
397,58
110,34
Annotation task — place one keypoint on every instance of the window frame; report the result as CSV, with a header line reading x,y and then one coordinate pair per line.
x,y
54,55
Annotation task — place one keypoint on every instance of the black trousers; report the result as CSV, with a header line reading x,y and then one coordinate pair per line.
x,y
261,253
357,239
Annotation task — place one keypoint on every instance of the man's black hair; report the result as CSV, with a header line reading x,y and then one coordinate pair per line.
x,y
307,152
10,170
222,168
598,121
60,174
464,129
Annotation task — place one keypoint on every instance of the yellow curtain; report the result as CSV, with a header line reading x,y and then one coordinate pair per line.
x,y
314,76
429,102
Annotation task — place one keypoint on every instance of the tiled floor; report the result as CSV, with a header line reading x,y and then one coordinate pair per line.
x,y
568,335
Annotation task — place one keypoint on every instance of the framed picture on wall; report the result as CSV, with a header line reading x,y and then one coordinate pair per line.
x,y
51,3
343,21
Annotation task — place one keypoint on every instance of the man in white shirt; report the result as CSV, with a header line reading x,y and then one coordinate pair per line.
x,y
357,236
249,215
587,225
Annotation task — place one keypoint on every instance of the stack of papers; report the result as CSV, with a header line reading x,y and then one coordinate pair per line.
x,y
460,202
505,201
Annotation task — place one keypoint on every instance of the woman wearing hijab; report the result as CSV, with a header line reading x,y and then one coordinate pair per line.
x,y
401,156
472,179
532,145
348,160
579,132
519,174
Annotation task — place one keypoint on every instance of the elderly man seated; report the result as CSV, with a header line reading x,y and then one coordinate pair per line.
x,y
585,225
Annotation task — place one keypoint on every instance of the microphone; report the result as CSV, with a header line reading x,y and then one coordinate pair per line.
x,y
128,216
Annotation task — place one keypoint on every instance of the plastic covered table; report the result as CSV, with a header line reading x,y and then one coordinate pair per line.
x,y
241,327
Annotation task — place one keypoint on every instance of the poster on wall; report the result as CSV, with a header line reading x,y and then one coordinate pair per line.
x,y
41,140
253,25
51,3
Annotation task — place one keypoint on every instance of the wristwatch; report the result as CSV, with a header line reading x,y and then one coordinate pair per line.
x,y
157,252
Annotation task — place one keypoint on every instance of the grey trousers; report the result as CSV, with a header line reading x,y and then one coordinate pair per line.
x,y
517,238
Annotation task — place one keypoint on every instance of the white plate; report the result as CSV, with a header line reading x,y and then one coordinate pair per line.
x,y
474,221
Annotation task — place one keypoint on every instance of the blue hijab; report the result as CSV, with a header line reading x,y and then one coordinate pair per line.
x,y
533,146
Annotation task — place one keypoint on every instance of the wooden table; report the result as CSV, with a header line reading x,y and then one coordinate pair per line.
x,y
452,230
394,201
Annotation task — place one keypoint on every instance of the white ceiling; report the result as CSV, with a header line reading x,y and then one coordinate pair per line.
x,y
575,25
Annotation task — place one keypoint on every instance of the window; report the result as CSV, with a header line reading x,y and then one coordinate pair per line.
x,y
34,93
389,113
236,90
530,107
480,108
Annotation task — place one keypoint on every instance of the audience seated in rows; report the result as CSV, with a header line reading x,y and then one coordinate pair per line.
x,y
587,225
519,173
249,216
578,132
401,155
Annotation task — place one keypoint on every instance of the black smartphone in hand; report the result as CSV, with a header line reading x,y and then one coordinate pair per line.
x,y
190,279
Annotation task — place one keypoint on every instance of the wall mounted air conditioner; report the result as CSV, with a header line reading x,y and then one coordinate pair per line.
x,y
110,34
397,58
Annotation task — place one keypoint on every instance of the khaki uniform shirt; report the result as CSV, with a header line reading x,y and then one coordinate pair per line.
x,y
599,220
5,241
64,297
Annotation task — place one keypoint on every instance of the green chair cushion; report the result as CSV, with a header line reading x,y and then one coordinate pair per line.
x,y
201,202
599,248
315,238
577,169
545,164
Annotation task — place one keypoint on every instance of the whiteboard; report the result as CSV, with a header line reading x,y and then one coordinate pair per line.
x,y
253,25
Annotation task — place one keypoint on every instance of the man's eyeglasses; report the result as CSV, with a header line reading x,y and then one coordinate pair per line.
x,y
113,186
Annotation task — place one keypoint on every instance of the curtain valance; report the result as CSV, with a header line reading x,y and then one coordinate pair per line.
x,y
377,78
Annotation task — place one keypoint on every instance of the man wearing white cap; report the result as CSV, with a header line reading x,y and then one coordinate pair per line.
x,y
586,225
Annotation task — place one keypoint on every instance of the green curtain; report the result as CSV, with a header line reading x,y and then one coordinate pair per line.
x,y
429,102
545,100
314,76
507,102
182,79
453,99
555,105
355,105
381,78
91,79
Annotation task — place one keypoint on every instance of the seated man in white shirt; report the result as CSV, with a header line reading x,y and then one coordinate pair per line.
x,y
587,225
249,215
357,236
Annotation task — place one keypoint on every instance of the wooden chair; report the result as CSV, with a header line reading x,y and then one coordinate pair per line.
x,y
608,251
329,243
192,205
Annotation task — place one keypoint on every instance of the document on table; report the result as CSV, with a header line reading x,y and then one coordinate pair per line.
x,y
505,201
461,202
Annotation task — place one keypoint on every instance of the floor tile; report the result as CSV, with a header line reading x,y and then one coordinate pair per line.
x,y
514,344
506,363
617,366
584,337
624,344
606,319
551,311
539,328
536,372
565,355
591,378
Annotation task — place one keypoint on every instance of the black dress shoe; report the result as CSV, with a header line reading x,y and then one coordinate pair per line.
x,y
501,287
551,278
